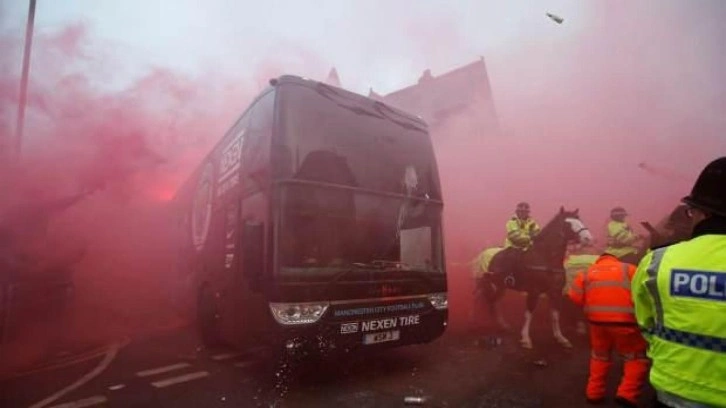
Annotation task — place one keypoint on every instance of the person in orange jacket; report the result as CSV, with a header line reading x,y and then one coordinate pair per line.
x,y
603,290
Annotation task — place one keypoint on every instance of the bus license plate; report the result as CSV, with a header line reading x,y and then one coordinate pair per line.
x,y
382,337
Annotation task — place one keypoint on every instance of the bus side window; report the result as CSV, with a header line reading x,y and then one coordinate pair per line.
x,y
253,263
258,142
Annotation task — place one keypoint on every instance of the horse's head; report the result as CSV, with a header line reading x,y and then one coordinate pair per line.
x,y
574,229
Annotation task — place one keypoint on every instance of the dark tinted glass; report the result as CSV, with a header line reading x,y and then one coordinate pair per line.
x,y
328,135
256,147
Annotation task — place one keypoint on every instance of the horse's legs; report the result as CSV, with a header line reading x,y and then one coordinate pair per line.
x,y
555,305
479,298
492,294
532,300
497,312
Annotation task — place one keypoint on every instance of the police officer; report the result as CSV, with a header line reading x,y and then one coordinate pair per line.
x,y
521,228
621,237
679,292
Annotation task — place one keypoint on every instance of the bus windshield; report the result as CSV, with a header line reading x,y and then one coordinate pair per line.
x,y
358,187
365,143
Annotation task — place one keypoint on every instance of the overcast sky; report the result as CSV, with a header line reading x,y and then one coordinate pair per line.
x,y
632,63
370,47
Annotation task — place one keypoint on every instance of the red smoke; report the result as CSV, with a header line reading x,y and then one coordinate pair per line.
x,y
579,113
130,146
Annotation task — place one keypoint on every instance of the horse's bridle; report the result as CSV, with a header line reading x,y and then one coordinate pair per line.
x,y
581,229
584,228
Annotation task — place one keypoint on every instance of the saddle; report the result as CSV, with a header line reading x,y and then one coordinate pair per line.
x,y
508,263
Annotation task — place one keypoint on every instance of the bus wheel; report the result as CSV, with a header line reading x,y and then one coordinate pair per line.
x,y
207,317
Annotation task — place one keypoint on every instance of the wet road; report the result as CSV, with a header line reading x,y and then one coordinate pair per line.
x,y
171,370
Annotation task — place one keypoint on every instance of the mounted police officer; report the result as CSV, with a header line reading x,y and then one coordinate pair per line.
x,y
679,292
621,237
521,230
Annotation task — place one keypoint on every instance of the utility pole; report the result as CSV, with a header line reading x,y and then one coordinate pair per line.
x,y
20,124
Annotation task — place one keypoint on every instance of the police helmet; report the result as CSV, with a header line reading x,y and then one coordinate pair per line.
x,y
618,212
709,192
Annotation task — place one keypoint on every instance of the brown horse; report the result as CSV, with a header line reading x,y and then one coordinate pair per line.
x,y
537,271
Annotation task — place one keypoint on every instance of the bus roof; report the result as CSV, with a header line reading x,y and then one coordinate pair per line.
x,y
294,79
186,188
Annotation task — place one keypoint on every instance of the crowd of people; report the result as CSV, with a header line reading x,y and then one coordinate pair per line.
x,y
664,309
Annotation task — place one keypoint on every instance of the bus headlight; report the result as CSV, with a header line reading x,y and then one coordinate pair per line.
x,y
298,313
439,301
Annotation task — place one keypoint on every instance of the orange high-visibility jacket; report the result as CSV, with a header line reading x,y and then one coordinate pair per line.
x,y
604,291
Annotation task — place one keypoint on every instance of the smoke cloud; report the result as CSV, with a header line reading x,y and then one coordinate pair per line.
x,y
622,106
125,148
625,109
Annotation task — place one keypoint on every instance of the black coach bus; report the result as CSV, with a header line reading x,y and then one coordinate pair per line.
x,y
317,219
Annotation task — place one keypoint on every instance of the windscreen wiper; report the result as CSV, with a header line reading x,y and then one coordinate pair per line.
x,y
411,271
338,276
378,267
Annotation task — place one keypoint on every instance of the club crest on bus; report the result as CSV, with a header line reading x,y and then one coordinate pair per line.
x,y
202,208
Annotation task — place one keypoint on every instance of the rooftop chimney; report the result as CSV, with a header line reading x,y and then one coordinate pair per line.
x,y
426,76
333,78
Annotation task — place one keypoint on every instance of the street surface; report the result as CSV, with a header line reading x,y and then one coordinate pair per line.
x,y
464,368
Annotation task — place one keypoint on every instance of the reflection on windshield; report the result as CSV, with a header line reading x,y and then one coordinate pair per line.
x,y
375,144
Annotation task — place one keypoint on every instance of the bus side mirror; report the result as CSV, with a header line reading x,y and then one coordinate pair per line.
x,y
253,253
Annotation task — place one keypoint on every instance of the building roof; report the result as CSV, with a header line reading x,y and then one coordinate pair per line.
x,y
464,92
435,98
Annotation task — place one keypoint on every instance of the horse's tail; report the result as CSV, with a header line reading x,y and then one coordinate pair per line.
x,y
484,286
480,264
474,265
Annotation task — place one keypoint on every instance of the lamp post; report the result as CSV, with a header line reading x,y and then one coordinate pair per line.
x,y
20,124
